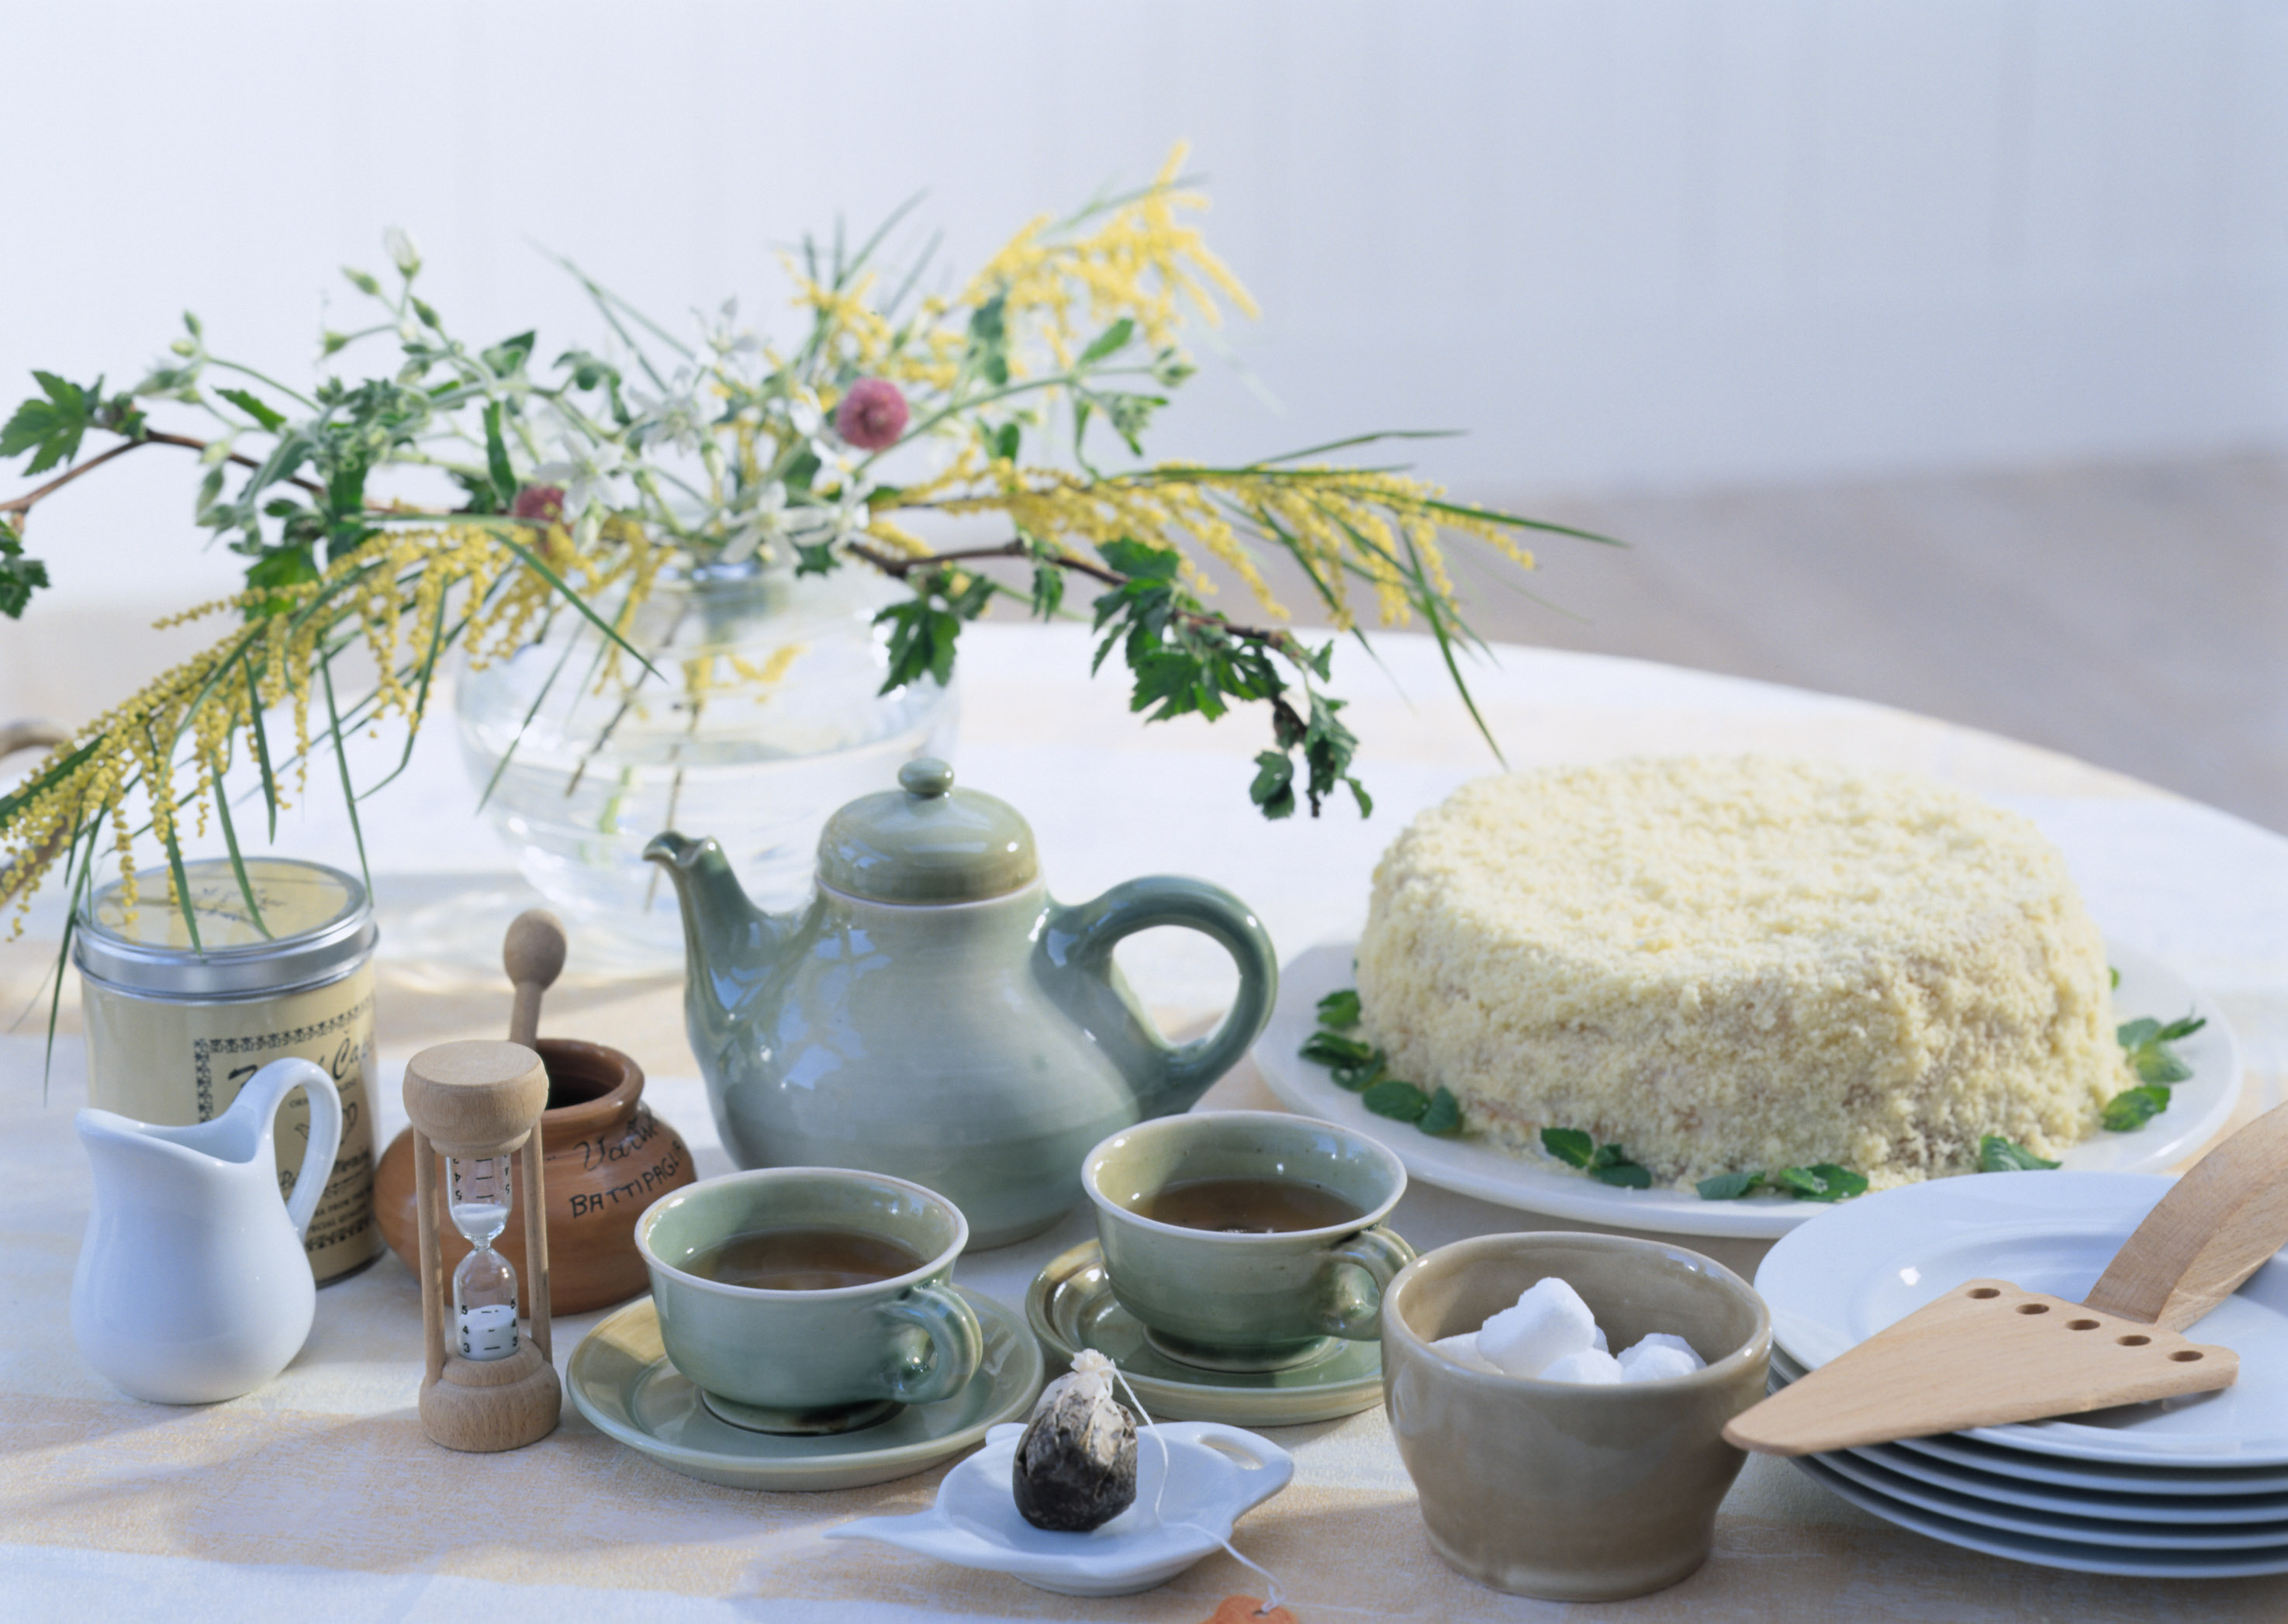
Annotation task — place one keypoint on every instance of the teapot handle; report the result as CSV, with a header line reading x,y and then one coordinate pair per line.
x,y
270,1086
1088,931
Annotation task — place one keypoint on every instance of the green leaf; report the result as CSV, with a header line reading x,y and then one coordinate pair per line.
x,y
1570,1146
247,401
1628,1175
1729,1187
509,356
19,576
361,281
50,428
2146,1043
1139,562
1107,341
2133,1108
1444,1119
1274,789
1997,1155
496,462
2115,983
1332,1048
1339,1012
1400,1101
1048,591
1824,1182
1005,441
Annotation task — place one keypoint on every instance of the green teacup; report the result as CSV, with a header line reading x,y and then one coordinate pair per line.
x,y
1247,1297
815,1359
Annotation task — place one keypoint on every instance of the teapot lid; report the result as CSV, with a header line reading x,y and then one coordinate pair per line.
x,y
927,841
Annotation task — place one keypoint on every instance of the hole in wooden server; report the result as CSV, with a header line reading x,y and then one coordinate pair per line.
x,y
2033,1308
2132,1341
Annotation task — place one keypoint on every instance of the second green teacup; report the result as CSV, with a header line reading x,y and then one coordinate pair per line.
x,y
1242,1239
807,1300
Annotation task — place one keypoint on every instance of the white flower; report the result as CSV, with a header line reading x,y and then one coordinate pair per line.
x,y
723,335
403,253
585,471
680,417
761,518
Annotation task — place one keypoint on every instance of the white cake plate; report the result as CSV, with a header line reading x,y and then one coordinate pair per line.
x,y
1534,1183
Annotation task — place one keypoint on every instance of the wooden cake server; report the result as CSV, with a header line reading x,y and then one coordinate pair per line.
x,y
1988,1352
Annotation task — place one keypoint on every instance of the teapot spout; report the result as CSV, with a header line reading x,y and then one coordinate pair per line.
x,y
726,938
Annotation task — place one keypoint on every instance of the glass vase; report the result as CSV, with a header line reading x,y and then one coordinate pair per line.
x,y
765,715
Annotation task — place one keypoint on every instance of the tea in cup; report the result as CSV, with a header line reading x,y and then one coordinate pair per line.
x,y
809,1300
1242,1239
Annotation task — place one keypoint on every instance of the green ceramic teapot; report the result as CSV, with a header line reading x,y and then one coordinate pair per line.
x,y
933,1015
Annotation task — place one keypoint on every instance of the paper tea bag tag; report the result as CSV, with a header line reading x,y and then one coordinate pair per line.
x,y
1247,1610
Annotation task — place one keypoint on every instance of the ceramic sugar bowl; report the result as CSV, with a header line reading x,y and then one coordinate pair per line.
x,y
934,1015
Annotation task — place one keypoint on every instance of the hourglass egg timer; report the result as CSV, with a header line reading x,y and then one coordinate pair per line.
x,y
484,1285
477,1104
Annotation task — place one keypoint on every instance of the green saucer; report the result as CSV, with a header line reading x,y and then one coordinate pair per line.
x,y
1070,1306
622,1381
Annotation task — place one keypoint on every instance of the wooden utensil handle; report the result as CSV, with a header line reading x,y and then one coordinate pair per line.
x,y
533,954
2209,1233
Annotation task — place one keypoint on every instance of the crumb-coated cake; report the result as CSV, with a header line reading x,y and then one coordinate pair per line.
x,y
1739,963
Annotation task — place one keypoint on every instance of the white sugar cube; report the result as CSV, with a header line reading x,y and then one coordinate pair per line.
x,y
1549,1322
1644,1364
1588,1366
1601,1344
1660,1356
1463,1350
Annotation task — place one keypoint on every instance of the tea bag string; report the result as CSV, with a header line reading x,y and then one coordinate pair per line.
x,y
1274,1591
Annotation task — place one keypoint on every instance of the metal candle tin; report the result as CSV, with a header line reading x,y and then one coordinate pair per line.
x,y
174,1030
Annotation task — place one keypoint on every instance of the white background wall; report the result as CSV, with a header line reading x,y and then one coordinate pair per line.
x,y
1627,242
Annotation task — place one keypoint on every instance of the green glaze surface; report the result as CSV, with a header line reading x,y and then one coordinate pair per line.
x,y
1247,1301
979,1048
809,1361
927,842
1070,1306
1554,1489
620,1378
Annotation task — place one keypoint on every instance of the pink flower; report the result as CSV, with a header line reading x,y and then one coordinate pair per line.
x,y
544,502
872,415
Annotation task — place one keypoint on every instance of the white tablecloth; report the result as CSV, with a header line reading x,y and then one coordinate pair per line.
x,y
317,1493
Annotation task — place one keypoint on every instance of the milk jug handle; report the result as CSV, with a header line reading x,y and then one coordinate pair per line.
x,y
269,1089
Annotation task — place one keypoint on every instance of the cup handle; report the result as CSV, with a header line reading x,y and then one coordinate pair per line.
x,y
270,1086
954,1345
1379,1254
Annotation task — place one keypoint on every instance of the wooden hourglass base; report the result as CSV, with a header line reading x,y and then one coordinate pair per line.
x,y
484,1404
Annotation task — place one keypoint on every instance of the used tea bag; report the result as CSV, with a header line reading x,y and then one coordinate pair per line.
x,y
1076,1466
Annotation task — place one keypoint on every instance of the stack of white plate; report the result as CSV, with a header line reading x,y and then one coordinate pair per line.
x,y
2195,1487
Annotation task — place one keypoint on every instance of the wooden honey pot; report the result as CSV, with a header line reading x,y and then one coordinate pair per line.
x,y
607,1158
605,1155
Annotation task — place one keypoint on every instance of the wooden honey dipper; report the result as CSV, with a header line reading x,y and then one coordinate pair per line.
x,y
1987,1353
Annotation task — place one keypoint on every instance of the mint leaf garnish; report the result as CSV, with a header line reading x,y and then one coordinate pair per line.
x,y
1339,1012
1727,1186
1822,1182
2146,1042
1443,1118
2133,1108
1997,1155
1330,1048
1570,1146
1400,1101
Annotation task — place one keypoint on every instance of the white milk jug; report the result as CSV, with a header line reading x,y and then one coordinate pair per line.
x,y
193,1286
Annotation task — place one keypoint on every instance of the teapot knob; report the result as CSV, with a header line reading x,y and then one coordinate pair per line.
x,y
926,778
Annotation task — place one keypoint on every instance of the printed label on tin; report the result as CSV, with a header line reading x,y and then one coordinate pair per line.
x,y
177,1062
